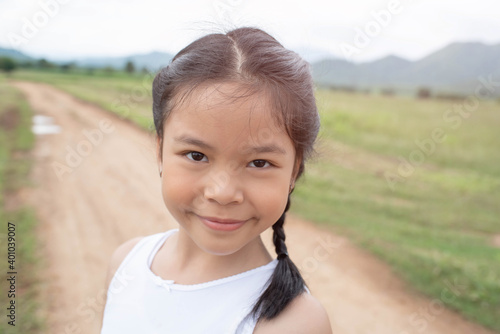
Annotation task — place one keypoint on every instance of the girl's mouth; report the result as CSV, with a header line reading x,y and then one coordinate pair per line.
x,y
220,224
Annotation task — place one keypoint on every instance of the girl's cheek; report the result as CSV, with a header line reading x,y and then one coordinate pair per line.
x,y
271,198
178,184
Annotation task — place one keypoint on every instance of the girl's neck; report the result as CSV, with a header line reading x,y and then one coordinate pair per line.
x,y
181,260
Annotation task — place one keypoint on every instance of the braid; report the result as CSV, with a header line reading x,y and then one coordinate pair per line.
x,y
279,234
286,282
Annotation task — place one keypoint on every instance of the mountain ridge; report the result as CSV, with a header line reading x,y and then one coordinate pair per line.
x,y
456,67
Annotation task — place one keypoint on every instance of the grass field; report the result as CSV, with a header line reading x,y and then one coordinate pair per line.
x,y
413,181
16,140
434,222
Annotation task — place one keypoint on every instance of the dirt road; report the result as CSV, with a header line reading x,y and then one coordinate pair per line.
x,y
97,185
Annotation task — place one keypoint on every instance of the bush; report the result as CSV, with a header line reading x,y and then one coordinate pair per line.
x,y
7,64
44,63
424,93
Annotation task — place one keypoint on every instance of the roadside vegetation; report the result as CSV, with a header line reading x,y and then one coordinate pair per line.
x,y
16,142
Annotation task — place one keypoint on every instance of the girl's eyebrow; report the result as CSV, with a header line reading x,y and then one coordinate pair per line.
x,y
270,148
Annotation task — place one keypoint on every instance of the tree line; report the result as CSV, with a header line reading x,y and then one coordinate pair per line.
x,y
8,65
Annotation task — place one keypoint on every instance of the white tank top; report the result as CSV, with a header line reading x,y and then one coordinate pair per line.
x,y
139,301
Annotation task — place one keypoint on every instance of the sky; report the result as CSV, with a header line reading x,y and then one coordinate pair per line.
x,y
356,30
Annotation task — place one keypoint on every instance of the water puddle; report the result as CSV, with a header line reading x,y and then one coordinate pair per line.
x,y
44,125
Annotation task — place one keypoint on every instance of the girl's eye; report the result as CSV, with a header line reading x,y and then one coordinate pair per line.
x,y
260,163
195,156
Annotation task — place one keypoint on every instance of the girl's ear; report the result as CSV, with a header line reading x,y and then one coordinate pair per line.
x,y
294,173
158,150
158,156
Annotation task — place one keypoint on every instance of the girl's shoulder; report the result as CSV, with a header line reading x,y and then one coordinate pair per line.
x,y
304,315
121,252
118,256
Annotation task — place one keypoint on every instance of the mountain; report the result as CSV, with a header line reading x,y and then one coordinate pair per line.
x,y
387,68
455,68
339,72
335,71
14,54
152,61
456,63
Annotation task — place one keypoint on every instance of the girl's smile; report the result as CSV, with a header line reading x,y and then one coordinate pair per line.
x,y
222,224
227,168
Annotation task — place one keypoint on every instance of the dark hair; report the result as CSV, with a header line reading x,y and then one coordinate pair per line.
x,y
258,62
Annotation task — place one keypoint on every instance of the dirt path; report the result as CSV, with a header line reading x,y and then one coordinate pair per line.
x,y
113,194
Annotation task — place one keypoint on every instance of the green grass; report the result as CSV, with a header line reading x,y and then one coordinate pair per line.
x,y
16,140
434,225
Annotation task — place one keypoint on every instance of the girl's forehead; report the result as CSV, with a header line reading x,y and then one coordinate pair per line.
x,y
225,104
224,115
213,95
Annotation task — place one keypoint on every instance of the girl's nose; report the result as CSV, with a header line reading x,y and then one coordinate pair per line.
x,y
224,189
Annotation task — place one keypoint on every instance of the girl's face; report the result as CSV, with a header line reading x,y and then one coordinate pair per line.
x,y
224,159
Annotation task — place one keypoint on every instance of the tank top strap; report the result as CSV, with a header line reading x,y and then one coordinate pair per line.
x,y
131,266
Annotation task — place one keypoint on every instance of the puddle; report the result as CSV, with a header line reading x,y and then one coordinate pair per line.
x,y
44,125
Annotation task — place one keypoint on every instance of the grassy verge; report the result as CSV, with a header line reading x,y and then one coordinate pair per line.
x,y
427,207
16,141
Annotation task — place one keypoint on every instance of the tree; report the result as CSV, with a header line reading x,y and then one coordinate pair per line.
x,y
44,63
26,64
7,64
67,67
130,68
108,70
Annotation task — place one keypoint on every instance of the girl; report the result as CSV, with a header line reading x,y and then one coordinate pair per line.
x,y
236,118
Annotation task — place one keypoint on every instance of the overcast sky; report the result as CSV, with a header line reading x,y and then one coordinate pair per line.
x,y
349,29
